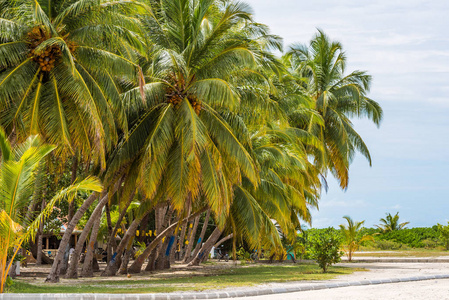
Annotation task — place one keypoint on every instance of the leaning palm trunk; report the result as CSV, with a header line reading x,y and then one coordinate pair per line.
x,y
72,271
151,265
111,241
113,266
40,238
205,250
124,265
191,238
228,237
181,240
87,270
136,267
72,204
53,276
200,239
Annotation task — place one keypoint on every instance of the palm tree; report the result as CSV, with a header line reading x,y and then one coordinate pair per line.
x,y
59,65
17,176
352,236
289,186
318,72
391,223
188,140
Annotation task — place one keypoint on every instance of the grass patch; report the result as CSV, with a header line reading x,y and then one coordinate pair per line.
x,y
218,279
403,253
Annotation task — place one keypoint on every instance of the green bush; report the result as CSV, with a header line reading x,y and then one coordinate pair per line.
x,y
443,236
324,246
429,244
387,245
412,237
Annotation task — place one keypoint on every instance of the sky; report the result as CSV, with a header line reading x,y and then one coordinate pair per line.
x,y
404,45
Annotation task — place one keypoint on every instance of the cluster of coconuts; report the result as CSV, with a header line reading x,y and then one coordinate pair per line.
x,y
195,103
176,99
47,58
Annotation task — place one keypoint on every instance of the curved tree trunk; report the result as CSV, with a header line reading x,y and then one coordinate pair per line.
x,y
45,259
151,265
205,250
201,238
87,270
53,276
181,240
72,271
125,261
113,266
111,240
228,237
110,228
39,238
74,170
136,267
191,239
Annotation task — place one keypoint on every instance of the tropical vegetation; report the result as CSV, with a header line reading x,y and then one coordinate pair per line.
x,y
198,131
352,236
391,223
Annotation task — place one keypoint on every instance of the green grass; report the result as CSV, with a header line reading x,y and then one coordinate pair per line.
x,y
403,253
216,279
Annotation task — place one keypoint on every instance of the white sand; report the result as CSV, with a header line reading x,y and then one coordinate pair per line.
x,y
429,289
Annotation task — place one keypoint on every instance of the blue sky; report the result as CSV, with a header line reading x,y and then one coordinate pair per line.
x,y
405,46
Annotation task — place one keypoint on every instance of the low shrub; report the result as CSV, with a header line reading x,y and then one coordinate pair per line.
x,y
430,244
325,247
387,245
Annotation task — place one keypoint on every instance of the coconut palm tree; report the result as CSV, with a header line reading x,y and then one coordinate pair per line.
x,y
352,236
59,65
391,223
318,70
187,139
17,177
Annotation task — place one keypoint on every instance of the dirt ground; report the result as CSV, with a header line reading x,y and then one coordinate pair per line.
x,y
37,274
429,289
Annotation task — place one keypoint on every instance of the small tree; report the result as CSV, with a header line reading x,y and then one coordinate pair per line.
x,y
352,236
391,223
18,167
444,234
325,247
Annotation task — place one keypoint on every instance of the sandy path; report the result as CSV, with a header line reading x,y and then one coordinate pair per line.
x,y
429,289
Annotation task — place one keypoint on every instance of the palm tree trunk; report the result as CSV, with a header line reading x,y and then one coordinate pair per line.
x,y
53,276
181,240
187,256
228,237
143,228
124,265
113,266
203,232
152,258
39,246
72,271
74,174
87,270
108,219
165,220
136,267
111,240
39,238
190,226
205,250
